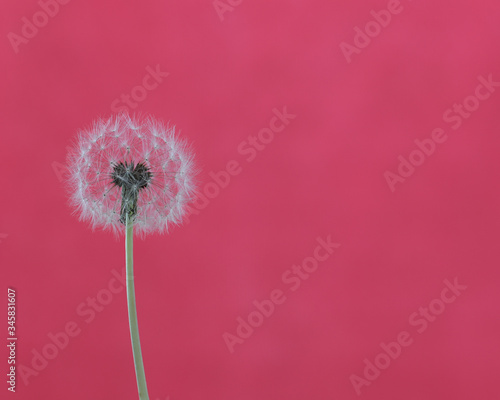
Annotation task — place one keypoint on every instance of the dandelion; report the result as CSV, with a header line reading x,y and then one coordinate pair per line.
x,y
129,173
137,166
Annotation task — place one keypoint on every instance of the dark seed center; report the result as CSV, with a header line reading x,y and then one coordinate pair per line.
x,y
131,178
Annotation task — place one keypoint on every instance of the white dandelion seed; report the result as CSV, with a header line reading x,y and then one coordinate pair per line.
x,y
126,164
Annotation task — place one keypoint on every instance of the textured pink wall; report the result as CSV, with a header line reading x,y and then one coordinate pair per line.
x,y
359,210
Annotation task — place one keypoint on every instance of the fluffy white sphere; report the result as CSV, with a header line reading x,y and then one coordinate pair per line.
x,y
124,142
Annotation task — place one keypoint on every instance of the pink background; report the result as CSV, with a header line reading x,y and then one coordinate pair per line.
x,y
322,175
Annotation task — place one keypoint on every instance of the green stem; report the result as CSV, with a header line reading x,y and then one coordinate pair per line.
x,y
132,311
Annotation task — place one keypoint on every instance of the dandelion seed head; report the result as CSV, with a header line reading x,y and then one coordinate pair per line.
x,y
131,165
